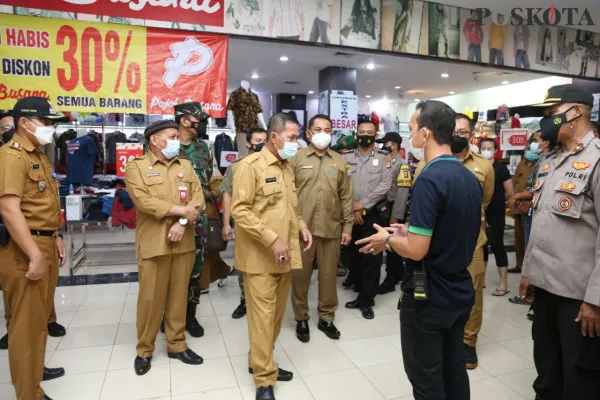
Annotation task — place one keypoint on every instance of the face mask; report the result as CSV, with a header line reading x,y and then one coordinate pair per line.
x,y
289,149
531,156
417,152
257,147
488,154
321,140
7,136
389,149
172,148
43,134
550,126
458,144
535,148
365,141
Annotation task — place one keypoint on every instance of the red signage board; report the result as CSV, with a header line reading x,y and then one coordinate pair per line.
x,y
127,152
513,139
199,12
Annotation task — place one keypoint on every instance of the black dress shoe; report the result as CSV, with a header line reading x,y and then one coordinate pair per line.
x,y
265,393
52,373
56,330
46,397
302,331
142,365
282,374
352,305
240,311
367,312
4,342
329,329
187,357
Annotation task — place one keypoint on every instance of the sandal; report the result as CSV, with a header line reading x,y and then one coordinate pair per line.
x,y
500,293
519,300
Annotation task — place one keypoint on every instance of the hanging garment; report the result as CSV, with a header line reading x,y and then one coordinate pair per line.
x,y
80,163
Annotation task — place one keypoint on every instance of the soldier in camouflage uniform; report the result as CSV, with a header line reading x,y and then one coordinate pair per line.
x,y
192,123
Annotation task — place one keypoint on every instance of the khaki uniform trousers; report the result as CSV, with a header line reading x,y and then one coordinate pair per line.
x,y
28,329
473,327
266,298
519,239
163,289
327,253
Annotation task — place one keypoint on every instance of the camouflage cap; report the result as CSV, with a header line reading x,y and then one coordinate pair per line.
x,y
346,143
192,108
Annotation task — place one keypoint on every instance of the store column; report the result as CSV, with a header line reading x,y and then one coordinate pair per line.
x,y
337,98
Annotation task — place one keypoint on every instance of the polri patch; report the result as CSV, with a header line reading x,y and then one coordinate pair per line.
x,y
270,180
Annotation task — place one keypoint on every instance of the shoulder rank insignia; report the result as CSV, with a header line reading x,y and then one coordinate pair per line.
x,y
388,164
580,165
568,187
546,167
348,170
16,145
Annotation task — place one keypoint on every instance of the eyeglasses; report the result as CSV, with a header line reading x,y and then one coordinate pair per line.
x,y
462,132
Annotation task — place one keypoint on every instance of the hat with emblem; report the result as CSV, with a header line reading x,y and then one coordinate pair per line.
x,y
393,137
158,126
36,107
346,143
568,93
192,108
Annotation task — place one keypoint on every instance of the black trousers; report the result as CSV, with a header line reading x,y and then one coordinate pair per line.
x,y
365,269
495,234
433,350
567,363
394,267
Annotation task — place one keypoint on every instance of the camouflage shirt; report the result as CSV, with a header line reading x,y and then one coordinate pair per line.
x,y
200,155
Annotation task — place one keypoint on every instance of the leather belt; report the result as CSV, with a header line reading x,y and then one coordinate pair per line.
x,y
43,233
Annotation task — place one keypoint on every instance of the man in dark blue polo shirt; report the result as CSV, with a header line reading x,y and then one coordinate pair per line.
x,y
438,245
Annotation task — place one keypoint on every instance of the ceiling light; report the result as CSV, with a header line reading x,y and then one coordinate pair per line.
x,y
417,100
505,82
451,92
445,75
255,76
397,87
370,66
368,96
311,92
283,58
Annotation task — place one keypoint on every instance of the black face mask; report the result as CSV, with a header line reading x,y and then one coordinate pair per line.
x,y
389,149
458,144
7,136
257,147
550,126
365,141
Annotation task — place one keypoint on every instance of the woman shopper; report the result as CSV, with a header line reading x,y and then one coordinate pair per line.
x,y
496,215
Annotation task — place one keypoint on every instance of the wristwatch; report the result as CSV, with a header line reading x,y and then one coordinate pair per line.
x,y
58,235
183,221
388,247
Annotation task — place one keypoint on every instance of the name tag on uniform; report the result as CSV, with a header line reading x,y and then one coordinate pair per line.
x,y
183,193
306,166
270,180
376,162
150,175
35,166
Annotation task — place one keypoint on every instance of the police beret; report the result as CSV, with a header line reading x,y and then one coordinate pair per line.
x,y
158,126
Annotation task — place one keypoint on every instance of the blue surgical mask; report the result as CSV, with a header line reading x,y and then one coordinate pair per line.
x,y
531,156
289,149
535,148
172,148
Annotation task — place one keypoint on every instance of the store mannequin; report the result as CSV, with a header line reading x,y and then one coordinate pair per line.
x,y
241,122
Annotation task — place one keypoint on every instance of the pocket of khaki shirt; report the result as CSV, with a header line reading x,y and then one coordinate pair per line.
x,y
154,185
33,186
567,198
273,193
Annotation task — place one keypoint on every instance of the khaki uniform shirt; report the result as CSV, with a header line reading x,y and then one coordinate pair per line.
x,y
400,187
265,208
325,197
371,176
521,174
154,189
484,172
227,182
25,172
562,256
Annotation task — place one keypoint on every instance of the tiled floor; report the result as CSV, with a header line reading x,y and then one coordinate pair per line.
x,y
99,349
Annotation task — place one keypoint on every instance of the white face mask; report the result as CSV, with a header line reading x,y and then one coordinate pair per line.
x,y
488,154
417,152
321,140
289,149
43,134
171,150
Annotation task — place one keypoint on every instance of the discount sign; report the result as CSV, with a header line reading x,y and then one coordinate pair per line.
x,y
513,139
125,153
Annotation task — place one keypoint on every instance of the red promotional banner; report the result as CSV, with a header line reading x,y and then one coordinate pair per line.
x,y
186,66
200,12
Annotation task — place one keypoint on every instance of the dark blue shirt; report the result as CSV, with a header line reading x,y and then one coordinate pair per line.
x,y
81,154
446,205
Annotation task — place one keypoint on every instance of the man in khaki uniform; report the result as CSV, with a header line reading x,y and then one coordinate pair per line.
x,y
484,172
30,208
324,198
168,197
255,140
267,247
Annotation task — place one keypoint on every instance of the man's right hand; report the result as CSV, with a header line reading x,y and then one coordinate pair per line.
x,y
37,268
526,290
280,250
358,220
227,232
191,214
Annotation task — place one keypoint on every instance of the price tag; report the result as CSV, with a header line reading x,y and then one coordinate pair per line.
x,y
125,153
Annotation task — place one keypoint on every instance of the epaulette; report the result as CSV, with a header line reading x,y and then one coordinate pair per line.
x,y
15,145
